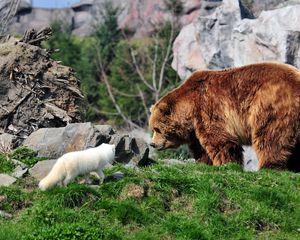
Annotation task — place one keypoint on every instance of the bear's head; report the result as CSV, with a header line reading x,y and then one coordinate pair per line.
x,y
170,125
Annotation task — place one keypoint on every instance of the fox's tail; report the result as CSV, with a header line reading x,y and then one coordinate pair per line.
x,y
57,174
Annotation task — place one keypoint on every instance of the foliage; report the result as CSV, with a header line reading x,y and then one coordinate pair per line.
x,y
26,156
6,165
132,95
192,201
65,42
22,154
107,34
107,51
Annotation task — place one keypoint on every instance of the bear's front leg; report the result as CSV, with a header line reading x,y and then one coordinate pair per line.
x,y
220,147
199,152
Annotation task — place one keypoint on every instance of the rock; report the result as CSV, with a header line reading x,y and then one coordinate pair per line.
x,y
250,162
224,39
268,37
2,198
171,162
7,142
54,142
41,169
115,176
130,150
207,43
36,91
123,147
19,172
257,6
5,215
6,180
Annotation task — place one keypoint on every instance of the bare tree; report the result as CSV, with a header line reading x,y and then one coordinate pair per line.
x,y
159,58
8,9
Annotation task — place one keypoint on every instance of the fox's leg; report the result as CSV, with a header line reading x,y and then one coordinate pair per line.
x,y
101,175
68,179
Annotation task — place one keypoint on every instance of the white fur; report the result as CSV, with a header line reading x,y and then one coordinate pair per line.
x,y
73,164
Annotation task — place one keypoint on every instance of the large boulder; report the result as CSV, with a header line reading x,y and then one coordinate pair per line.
x,y
207,43
225,39
41,169
6,180
274,35
54,142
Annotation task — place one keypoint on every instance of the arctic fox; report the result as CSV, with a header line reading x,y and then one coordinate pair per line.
x,y
72,164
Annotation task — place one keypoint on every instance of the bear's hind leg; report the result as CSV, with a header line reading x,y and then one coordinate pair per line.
x,y
294,160
273,150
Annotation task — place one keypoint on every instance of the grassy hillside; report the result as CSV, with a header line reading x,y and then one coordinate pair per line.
x,y
159,202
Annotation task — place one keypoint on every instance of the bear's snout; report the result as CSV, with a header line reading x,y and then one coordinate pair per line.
x,y
152,145
157,146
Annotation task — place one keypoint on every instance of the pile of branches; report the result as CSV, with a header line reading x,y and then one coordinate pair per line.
x,y
35,91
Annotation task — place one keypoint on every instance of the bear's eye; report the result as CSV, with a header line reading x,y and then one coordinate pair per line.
x,y
157,130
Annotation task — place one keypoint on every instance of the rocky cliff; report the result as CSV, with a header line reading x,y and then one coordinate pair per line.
x,y
137,16
235,35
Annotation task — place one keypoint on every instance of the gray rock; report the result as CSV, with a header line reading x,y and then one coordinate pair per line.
x,y
224,39
54,142
257,6
123,144
5,215
41,169
117,175
170,162
273,36
130,150
250,163
206,43
19,172
6,180
7,142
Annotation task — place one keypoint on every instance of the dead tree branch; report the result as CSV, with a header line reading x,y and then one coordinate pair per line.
x,y
8,10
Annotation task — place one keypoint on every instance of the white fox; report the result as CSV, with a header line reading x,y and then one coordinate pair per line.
x,y
73,164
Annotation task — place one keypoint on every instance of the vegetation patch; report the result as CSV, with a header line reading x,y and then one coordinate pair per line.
x,y
21,154
190,201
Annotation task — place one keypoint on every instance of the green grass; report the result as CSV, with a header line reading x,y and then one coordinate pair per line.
x,y
192,201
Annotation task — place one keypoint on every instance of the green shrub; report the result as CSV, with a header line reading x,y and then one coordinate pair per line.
x,y
6,165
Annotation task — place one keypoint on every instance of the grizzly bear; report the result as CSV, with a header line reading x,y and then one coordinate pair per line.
x,y
215,112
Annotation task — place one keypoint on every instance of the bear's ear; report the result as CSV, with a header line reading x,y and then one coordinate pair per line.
x,y
165,108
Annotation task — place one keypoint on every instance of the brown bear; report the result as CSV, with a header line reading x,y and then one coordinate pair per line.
x,y
215,112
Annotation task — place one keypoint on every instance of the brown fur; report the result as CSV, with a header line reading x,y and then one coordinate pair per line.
x,y
216,112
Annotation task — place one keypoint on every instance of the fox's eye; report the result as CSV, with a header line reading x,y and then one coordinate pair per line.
x,y
157,130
